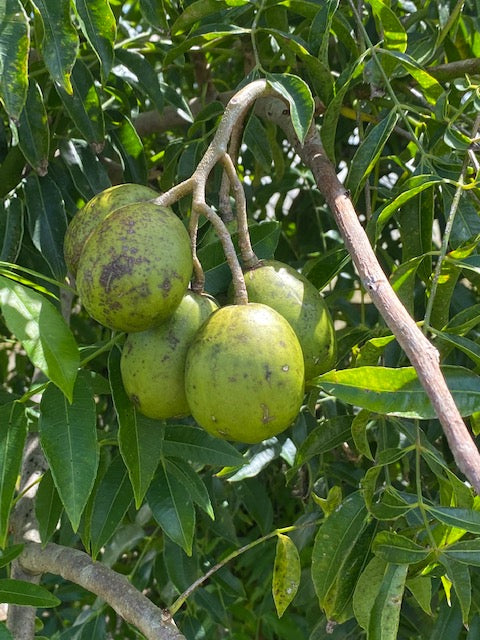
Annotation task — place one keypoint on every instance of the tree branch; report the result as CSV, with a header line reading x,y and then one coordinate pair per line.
x,y
421,353
77,566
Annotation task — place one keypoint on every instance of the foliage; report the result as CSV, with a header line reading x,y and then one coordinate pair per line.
x,y
376,533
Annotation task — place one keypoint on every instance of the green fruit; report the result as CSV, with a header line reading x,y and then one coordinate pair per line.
x,y
295,298
244,375
95,210
153,361
135,267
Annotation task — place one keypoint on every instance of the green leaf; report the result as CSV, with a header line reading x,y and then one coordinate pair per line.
x,y
129,146
367,589
12,230
320,271
40,328
385,614
359,433
196,445
432,89
172,508
393,32
466,551
99,26
47,220
195,12
459,575
5,633
136,70
421,589
13,432
338,555
397,549
69,440
465,519
83,105
368,153
327,436
10,553
112,499
48,507
286,573
26,593
33,130
398,391
299,97
87,172
192,482
328,130
14,49
140,439
469,347
60,40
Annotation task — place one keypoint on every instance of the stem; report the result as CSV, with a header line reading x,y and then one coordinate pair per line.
x,y
231,556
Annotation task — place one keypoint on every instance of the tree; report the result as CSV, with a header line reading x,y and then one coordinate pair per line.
x,y
362,518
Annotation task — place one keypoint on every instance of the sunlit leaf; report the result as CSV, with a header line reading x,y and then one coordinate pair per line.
x,y
286,573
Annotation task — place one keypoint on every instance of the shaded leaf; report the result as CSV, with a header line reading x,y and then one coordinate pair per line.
x,y
48,507
195,445
286,573
397,549
465,519
192,482
140,439
60,40
87,172
14,48
459,575
385,614
69,440
33,130
26,593
12,230
98,24
129,146
40,328
13,432
299,97
136,70
10,553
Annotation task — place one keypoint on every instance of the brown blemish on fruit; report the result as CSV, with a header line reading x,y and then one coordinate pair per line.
x,y
266,415
268,372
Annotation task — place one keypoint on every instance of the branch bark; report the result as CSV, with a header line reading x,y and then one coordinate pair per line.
x,y
421,353
115,589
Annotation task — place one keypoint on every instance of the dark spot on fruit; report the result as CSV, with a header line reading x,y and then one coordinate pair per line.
x,y
268,372
135,400
172,341
232,378
266,415
115,269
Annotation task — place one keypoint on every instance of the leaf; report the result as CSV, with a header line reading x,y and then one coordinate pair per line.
x,y
338,555
320,271
140,439
48,507
129,146
47,220
136,70
286,573
330,121
299,97
393,32
14,49
86,170
367,154
98,24
83,104
432,89
398,391
459,574
196,445
469,347
327,436
367,589
465,519
33,130
192,482
13,432
5,633
112,499
26,593
359,433
172,508
60,40
69,440
195,12
44,335
13,230
421,589
385,614
397,549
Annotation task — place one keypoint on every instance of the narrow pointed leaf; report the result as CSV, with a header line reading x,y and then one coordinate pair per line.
x,y
195,445
137,71
172,508
48,507
367,589
466,551
465,519
299,97
26,593
459,574
397,549
87,172
398,391
286,573
47,220
40,328
112,499
385,613
14,48
69,441
129,146
140,439
392,29
10,553
98,24
13,432
192,482
14,219
33,130
83,104
60,42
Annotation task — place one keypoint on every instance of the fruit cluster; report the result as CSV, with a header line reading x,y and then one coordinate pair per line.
x,y
239,370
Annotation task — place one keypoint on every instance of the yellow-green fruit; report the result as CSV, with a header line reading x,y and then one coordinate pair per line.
x,y
244,375
281,287
153,361
135,267
95,210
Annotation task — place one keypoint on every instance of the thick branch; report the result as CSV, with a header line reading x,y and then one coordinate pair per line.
x,y
421,353
76,566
